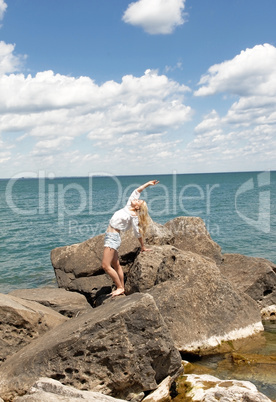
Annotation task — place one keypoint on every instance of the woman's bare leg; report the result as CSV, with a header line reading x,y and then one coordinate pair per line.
x,y
117,267
110,257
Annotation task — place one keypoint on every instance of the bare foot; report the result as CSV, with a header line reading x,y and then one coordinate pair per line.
x,y
118,291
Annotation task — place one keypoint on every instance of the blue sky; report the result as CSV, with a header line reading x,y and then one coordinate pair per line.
x,y
142,87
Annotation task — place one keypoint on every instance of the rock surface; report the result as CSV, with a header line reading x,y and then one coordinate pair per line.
x,y
66,303
117,349
49,390
78,267
78,261
210,389
269,313
21,321
254,276
190,234
199,317
162,393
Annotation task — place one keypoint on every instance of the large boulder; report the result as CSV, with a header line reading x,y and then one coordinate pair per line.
x,y
156,234
142,274
117,349
191,234
67,303
254,276
78,261
21,321
78,267
201,307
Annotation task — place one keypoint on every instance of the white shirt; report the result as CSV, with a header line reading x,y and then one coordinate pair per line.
x,y
124,220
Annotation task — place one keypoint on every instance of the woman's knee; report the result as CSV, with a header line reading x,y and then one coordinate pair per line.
x,y
115,264
107,258
104,266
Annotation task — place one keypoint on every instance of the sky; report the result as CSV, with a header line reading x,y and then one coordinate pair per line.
x,y
143,87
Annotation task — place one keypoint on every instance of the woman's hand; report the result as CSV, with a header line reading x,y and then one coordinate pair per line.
x,y
153,182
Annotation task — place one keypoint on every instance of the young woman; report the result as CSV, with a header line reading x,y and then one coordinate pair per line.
x,y
133,215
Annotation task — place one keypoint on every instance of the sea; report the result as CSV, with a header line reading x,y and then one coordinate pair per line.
x,y
42,213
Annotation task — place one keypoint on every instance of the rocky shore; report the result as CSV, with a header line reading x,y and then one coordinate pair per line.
x,y
75,342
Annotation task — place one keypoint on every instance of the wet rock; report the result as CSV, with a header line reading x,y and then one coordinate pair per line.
x,y
200,307
254,276
250,366
49,390
252,359
21,321
209,389
191,234
119,348
67,303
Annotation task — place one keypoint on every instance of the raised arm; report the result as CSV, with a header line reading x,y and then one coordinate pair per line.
x,y
149,183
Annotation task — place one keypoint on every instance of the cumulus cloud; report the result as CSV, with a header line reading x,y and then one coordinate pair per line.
x,y
250,73
156,16
57,114
3,7
245,136
9,62
251,76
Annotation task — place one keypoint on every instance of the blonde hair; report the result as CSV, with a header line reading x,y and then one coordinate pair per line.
x,y
143,218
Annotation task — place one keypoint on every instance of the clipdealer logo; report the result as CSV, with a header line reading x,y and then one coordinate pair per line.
x,y
262,222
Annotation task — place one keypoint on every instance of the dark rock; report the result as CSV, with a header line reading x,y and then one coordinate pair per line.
x,y
119,348
254,276
21,321
190,234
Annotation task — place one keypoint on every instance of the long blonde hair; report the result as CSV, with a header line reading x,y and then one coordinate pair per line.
x,y
143,217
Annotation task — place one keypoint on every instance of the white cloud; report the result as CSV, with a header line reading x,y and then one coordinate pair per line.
x,y
5,156
245,136
9,62
73,126
210,122
250,73
55,115
3,7
156,16
178,66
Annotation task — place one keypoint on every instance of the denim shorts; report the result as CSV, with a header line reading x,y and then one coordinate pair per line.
x,y
112,240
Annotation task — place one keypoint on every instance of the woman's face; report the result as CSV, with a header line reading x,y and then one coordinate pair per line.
x,y
136,203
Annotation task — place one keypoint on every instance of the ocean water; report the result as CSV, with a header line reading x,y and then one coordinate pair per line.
x,y
40,214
